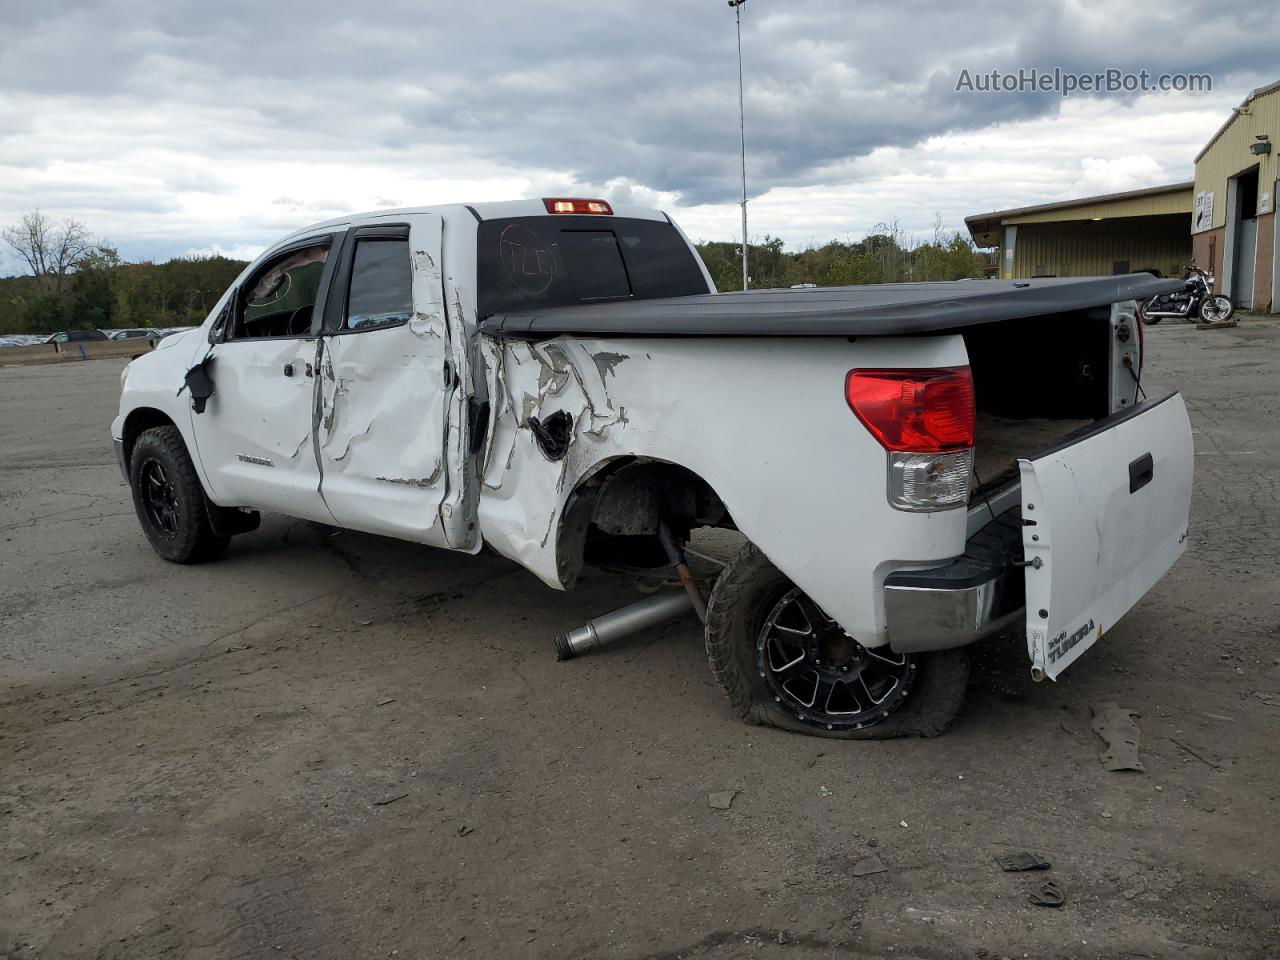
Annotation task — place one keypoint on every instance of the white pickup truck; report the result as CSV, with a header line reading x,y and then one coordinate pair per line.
x,y
911,467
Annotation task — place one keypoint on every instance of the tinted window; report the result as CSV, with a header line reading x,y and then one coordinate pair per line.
x,y
526,263
278,299
381,284
597,264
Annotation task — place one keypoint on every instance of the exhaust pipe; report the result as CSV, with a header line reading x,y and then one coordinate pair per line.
x,y
630,619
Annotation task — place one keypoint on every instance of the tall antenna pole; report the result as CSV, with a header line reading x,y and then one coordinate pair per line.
x,y
742,130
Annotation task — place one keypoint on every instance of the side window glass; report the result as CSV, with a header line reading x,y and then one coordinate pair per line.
x,y
381,291
277,301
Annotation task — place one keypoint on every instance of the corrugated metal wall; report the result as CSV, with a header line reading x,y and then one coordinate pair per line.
x,y
1229,155
1175,201
1093,248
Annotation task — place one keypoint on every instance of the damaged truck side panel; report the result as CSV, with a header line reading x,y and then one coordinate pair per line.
x,y
759,403
387,395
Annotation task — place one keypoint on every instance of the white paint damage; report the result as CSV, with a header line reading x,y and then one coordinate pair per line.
x,y
386,399
538,380
764,422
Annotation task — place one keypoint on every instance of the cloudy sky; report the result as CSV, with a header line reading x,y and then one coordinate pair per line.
x,y
173,127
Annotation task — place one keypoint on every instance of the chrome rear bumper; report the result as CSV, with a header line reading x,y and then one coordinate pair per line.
x,y
966,599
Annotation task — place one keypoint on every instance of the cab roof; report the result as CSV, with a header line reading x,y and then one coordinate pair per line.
x,y
490,210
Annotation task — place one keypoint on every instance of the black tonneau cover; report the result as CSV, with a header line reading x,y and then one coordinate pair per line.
x,y
874,310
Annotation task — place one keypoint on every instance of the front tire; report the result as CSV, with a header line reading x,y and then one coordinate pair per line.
x,y
169,500
1216,309
783,663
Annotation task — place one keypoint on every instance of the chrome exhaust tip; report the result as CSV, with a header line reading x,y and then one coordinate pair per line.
x,y
632,618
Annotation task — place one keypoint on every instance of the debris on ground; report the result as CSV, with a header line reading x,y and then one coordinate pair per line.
x,y
1199,756
389,800
721,800
868,866
824,792
1116,727
383,703
1048,894
1023,860
903,824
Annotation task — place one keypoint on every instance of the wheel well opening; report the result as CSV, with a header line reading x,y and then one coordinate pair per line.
x,y
144,418
612,517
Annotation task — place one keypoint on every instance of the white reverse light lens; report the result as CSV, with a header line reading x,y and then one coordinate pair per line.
x,y
929,481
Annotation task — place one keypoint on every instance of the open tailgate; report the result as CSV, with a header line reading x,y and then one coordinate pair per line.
x,y
1105,516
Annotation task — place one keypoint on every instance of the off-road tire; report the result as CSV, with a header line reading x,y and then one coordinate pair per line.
x,y
746,587
193,541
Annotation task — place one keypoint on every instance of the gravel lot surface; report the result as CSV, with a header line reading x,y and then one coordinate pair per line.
x,y
330,745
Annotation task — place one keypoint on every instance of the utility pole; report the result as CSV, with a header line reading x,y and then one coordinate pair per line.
x,y
742,130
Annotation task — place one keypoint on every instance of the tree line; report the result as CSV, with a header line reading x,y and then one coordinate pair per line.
x,y
886,255
77,282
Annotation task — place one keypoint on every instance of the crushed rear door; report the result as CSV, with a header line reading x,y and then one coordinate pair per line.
x,y
1105,516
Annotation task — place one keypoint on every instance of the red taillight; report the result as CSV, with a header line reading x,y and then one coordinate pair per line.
x,y
577,205
922,411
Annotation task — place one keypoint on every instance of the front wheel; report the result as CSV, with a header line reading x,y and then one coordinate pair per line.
x,y
1217,309
783,662
169,500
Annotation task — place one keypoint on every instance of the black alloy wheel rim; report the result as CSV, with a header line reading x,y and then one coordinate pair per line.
x,y
159,499
823,676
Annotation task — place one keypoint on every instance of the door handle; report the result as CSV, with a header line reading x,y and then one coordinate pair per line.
x,y
288,369
1140,472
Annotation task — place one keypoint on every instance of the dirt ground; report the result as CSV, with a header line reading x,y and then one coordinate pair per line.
x,y
329,745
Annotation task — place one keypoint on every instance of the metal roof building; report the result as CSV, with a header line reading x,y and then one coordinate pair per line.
x,y
1234,228
1092,236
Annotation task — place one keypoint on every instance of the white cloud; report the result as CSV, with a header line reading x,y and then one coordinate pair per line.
x,y
179,126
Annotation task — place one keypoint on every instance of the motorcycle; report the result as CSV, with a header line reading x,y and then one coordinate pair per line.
x,y
1195,302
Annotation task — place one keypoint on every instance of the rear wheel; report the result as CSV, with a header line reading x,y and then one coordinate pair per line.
x,y
783,662
169,500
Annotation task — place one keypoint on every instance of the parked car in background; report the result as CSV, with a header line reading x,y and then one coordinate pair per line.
x,y
136,333
9,343
74,336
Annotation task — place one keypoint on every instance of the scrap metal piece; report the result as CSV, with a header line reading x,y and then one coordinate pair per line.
x,y
1049,894
721,800
1023,860
1116,727
868,866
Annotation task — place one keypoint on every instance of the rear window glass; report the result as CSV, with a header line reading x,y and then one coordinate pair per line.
x,y
527,263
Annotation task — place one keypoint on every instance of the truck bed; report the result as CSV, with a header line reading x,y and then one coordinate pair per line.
x,y
873,310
